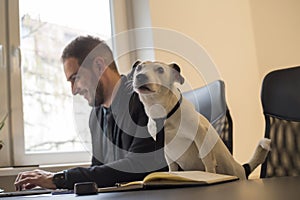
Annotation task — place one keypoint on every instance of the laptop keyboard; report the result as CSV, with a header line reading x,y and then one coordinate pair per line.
x,y
25,192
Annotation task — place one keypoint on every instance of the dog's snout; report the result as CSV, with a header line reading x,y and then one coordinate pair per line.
x,y
141,77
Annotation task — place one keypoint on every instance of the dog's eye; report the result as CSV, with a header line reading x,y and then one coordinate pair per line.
x,y
139,68
160,70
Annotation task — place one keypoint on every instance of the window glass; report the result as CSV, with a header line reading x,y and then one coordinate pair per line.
x,y
46,26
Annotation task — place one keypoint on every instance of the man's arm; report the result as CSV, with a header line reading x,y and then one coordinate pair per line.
x,y
148,157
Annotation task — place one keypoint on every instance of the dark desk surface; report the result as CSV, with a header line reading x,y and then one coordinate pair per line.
x,y
287,188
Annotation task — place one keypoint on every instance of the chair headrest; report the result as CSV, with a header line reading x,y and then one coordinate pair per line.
x,y
209,100
280,94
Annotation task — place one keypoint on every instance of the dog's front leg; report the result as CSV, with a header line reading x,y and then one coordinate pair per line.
x,y
173,166
210,162
207,146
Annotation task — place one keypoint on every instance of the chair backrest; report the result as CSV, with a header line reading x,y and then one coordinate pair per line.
x,y
210,101
280,98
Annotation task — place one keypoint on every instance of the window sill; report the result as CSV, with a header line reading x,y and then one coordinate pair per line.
x,y
13,171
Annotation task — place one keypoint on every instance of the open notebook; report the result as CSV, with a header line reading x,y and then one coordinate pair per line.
x,y
171,179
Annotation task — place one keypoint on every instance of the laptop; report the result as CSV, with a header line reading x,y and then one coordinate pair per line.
x,y
26,192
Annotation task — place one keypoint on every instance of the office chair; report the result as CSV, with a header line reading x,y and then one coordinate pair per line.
x,y
280,98
210,101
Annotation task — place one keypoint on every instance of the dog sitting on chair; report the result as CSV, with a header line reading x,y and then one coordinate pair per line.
x,y
191,142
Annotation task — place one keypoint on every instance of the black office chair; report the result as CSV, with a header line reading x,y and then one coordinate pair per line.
x,y
210,101
280,97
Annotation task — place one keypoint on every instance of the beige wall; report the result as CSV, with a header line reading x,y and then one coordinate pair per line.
x,y
245,39
276,25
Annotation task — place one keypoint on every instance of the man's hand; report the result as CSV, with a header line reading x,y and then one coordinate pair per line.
x,y
30,179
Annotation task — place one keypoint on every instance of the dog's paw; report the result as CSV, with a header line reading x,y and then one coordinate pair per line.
x,y
265,143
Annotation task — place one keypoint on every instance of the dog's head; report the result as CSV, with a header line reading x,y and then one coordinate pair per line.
x,y
155,77
154,83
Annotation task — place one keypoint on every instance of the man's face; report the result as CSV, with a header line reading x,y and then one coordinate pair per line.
x,y
84,81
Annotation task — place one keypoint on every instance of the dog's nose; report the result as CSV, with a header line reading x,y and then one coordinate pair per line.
x,y
141,78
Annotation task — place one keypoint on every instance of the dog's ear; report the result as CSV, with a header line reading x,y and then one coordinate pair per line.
x,y
136,64
130,75
176,71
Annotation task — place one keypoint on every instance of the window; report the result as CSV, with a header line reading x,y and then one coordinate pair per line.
x,y
46,95
43,123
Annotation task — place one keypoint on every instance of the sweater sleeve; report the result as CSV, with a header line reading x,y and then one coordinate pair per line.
x,y
135,166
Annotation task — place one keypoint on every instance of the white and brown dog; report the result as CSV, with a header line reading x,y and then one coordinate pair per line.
x,y
191,142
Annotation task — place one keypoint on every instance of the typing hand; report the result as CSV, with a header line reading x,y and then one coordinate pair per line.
x,y
30,179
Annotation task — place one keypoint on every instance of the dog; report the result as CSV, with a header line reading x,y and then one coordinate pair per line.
x,y
191,142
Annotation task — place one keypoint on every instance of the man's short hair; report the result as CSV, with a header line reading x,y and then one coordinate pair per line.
x,y
86,48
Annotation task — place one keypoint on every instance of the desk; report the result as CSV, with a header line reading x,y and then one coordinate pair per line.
x,y
286,188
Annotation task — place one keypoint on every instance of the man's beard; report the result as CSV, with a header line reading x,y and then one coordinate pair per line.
x,y
99,98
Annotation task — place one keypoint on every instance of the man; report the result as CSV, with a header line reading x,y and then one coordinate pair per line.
x,y
123,150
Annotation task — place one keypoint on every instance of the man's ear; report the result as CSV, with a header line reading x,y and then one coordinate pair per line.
x,y
176,72
99,63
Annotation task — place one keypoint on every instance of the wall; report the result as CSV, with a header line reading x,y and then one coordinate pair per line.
x,y
276,29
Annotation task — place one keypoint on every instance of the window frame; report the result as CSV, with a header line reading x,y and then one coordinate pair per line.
x,y
4,95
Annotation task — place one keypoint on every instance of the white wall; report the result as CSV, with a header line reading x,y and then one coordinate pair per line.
x,y
245,38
